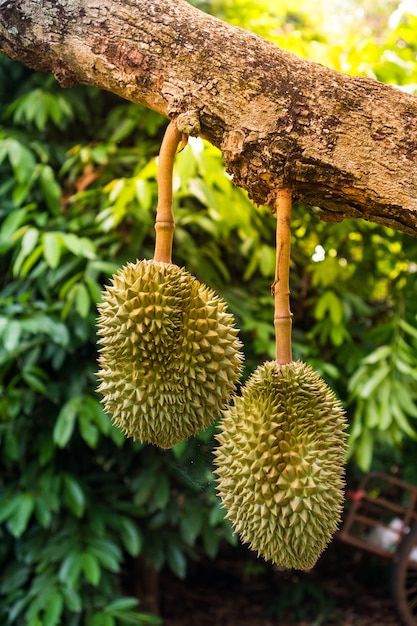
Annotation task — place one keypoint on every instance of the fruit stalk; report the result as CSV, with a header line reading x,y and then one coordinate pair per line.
x,y
281,286
164,222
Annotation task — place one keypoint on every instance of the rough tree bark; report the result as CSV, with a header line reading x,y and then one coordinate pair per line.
x,y
347,145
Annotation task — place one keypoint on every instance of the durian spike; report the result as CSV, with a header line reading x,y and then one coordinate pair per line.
x,y
164,222
281,286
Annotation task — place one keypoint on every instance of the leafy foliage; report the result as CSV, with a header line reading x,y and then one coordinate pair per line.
x,y
79,503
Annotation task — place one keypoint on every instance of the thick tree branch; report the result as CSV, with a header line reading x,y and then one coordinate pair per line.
x,y
347,145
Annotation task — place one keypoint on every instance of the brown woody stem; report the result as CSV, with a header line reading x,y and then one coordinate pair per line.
x,y
281,286
164,222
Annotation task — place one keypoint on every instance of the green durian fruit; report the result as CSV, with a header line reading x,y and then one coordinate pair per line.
x,y
280,463
170,355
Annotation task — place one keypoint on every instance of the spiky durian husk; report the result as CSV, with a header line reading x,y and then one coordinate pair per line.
x,y
280,463
170,355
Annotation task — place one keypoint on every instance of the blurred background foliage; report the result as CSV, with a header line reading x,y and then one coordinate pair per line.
x,y
84,512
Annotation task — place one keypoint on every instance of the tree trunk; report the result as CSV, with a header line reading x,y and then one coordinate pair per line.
x,y
346,145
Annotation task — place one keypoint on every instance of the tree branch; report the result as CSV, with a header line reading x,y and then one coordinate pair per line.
x,y
347,145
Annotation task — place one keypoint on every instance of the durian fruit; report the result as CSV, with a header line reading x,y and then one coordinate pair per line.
x,y
280,463
169,357
282,445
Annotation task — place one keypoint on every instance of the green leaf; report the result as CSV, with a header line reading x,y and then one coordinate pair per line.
x,y
216,516
27,246
101,418
210,540
266,255
70,570
406,401
15,578
54,608
31,261
94,289
179,449
371,383
144,486
101,619
22,161
88,430
11,335
64,426
52,247
408,328
330,305
176,560
80,246
161,492
131,536
29,240
43,513
72,599
379,354
191,523
22,512
364,446
50,189
107,552
144,193
17,608
82,300
34,382
122,604
91,568
10,225
74,495
400,418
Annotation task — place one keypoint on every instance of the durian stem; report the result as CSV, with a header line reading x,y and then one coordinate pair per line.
x,y
281,286
164,222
